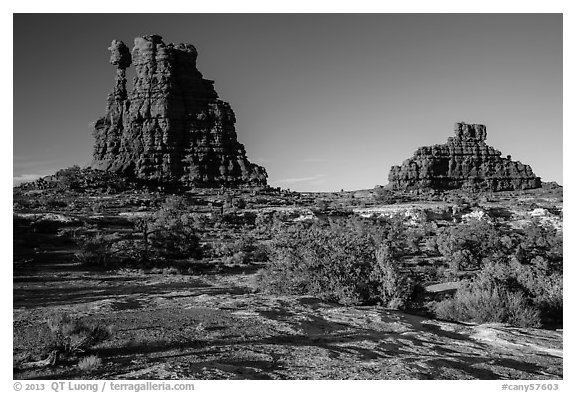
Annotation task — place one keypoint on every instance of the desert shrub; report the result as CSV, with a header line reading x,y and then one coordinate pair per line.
x,y
80,179
169,233
537,280
264,222
393,232
172,233
338,262
239,203
540,240
97,207
89,363
534,289
242,251
43,202
486,299
237,258
261,253
460,260
516,275
237,220
317,261
465,245
70,335
246,244
394,287
170,270
69,178
322,204
413,239
544,286
46,226
95,250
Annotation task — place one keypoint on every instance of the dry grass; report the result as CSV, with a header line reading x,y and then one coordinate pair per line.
x,y
89,363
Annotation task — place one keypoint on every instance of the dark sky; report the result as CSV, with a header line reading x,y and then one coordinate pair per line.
x,y
323,101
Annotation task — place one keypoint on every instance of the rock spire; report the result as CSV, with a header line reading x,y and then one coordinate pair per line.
x,y
171,127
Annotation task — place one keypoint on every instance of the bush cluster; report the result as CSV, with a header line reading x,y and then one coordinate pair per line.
x,y
486,299
169,233
242,251
95,250
70,335
508,275
347,261
517,278
464,246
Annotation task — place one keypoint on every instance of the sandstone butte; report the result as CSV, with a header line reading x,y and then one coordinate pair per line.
x,y
465,162
171,128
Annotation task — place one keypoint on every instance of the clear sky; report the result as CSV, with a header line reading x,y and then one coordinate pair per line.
x,y
323,101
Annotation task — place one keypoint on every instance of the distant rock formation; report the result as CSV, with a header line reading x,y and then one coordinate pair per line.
x,y
171,128
464,162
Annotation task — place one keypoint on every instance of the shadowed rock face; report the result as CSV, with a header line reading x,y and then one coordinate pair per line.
x,y
171,128
464,162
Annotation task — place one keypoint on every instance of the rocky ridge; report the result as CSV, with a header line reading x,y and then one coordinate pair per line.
x,y
464,162
171,128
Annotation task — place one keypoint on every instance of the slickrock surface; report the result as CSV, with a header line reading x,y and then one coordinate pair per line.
x,y
465,162
171,128
216,327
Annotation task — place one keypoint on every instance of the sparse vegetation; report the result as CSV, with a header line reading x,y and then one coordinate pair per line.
x,y
89,363
486,299
466,245
71,335
352,260
95,250
167,234
242,251
171,232
435,258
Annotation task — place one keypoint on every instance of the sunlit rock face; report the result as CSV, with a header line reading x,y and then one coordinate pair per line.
x,y
171,128
464,162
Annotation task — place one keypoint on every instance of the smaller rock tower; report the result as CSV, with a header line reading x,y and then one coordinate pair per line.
x,y
464,162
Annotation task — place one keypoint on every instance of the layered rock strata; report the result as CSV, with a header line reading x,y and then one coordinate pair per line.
x,y
171,127
464,162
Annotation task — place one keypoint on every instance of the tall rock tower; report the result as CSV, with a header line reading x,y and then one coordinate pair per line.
x,y
171,128
465,161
